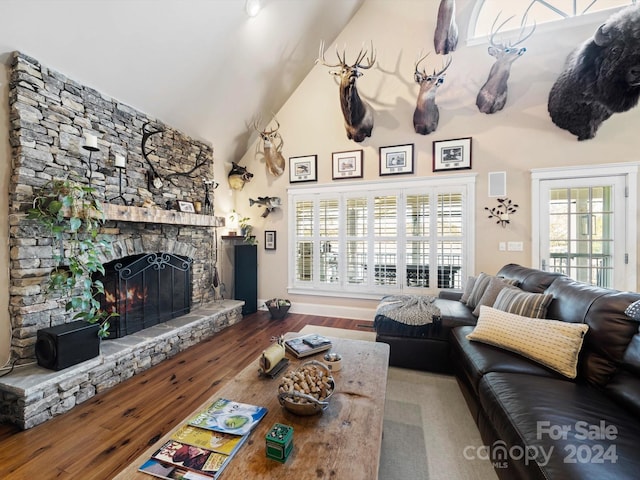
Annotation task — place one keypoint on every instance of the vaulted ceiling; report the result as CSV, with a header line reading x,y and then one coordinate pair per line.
x,y
202,66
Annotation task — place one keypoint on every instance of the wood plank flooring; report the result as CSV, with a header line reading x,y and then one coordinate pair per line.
x,y
98,438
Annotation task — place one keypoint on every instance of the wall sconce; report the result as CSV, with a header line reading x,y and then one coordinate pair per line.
x,y
502,211
252,7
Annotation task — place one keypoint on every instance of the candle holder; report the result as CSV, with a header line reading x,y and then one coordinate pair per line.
x,y
120,196
90,149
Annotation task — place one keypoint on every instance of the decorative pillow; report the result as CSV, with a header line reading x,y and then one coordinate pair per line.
x,y
467,289
495,286
526,304
633,310
479,286
552,343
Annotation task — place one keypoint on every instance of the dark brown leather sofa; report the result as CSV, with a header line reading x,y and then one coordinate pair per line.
x,y
536,423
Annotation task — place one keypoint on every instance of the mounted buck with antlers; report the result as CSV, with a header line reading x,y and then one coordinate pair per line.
x,y
493,94
426,114
272,153
358,114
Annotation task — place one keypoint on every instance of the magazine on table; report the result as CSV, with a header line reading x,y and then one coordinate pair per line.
x,y
187,456
307,345
210,439
171,472
228,416
178,460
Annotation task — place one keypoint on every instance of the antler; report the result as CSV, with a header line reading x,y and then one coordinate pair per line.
x,y
146,134
343,60
520,37
188,173
435,74
324,62
361,55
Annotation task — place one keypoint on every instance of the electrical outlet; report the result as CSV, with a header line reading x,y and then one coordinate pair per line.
x,y
515,246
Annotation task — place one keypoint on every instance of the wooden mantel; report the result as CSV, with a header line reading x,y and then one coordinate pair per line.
x,y
125,213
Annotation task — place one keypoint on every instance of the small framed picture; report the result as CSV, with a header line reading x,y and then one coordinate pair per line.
x,y
303,169
452,154
269,239
347,164
396,159
184,206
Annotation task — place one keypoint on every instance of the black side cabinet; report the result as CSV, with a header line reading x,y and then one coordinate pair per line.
x,y
246,276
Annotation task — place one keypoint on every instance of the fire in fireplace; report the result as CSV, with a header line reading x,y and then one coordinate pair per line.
x,y
146,290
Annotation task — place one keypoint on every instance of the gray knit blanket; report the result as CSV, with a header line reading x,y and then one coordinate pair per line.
x,y
409,309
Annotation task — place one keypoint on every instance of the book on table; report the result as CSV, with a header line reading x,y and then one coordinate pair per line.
x,y
307,345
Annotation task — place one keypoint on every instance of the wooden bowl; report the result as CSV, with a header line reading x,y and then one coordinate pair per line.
x,y
300,403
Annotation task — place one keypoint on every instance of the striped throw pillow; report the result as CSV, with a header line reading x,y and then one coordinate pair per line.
x,y
525,304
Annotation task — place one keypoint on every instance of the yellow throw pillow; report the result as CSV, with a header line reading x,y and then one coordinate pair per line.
x,y
552,343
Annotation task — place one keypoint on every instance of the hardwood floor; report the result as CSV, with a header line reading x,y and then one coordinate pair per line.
x,y
98,438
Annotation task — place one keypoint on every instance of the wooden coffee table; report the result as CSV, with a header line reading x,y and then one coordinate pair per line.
x,y
342,442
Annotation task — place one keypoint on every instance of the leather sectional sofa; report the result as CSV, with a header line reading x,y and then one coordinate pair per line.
x,y
535,422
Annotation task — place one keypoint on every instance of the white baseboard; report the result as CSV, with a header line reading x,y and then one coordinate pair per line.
x,y
366,314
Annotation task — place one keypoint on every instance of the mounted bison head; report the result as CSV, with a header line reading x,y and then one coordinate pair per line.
x,y
601,77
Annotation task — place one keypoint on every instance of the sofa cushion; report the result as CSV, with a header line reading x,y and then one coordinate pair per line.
x,y
474,359
552,343
526,304
523,409
494,287
529,279
609,336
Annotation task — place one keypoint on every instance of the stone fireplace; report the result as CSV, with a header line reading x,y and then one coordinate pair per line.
x,y
49,116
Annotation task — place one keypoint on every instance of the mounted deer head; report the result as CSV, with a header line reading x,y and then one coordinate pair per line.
x,y
358,114
493,94
445,38
271,151
426,114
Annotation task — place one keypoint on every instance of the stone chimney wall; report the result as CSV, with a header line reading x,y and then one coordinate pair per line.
x,y
49,116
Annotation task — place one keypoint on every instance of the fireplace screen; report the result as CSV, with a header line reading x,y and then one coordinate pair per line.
x,y
146,290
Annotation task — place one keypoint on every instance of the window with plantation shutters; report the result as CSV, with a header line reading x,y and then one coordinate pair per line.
x,y
373,238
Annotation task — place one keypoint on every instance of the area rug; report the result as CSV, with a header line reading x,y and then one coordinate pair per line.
x,y
427,426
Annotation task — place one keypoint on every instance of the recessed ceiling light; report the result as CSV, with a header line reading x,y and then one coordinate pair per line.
x,y
253,7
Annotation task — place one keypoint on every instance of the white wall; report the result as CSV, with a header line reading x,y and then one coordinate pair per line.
x,y
516,139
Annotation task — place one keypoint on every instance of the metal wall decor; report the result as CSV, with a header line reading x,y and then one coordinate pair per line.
x,y
502,211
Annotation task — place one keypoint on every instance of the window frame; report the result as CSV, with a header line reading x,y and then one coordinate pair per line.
x,y
593,18
465,184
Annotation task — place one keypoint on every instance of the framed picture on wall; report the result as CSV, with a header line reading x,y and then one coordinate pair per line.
x,y
396,160
269,239
347,164
303,169
452,154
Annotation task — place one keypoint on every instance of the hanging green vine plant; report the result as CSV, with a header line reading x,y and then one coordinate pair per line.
x,y
73,216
